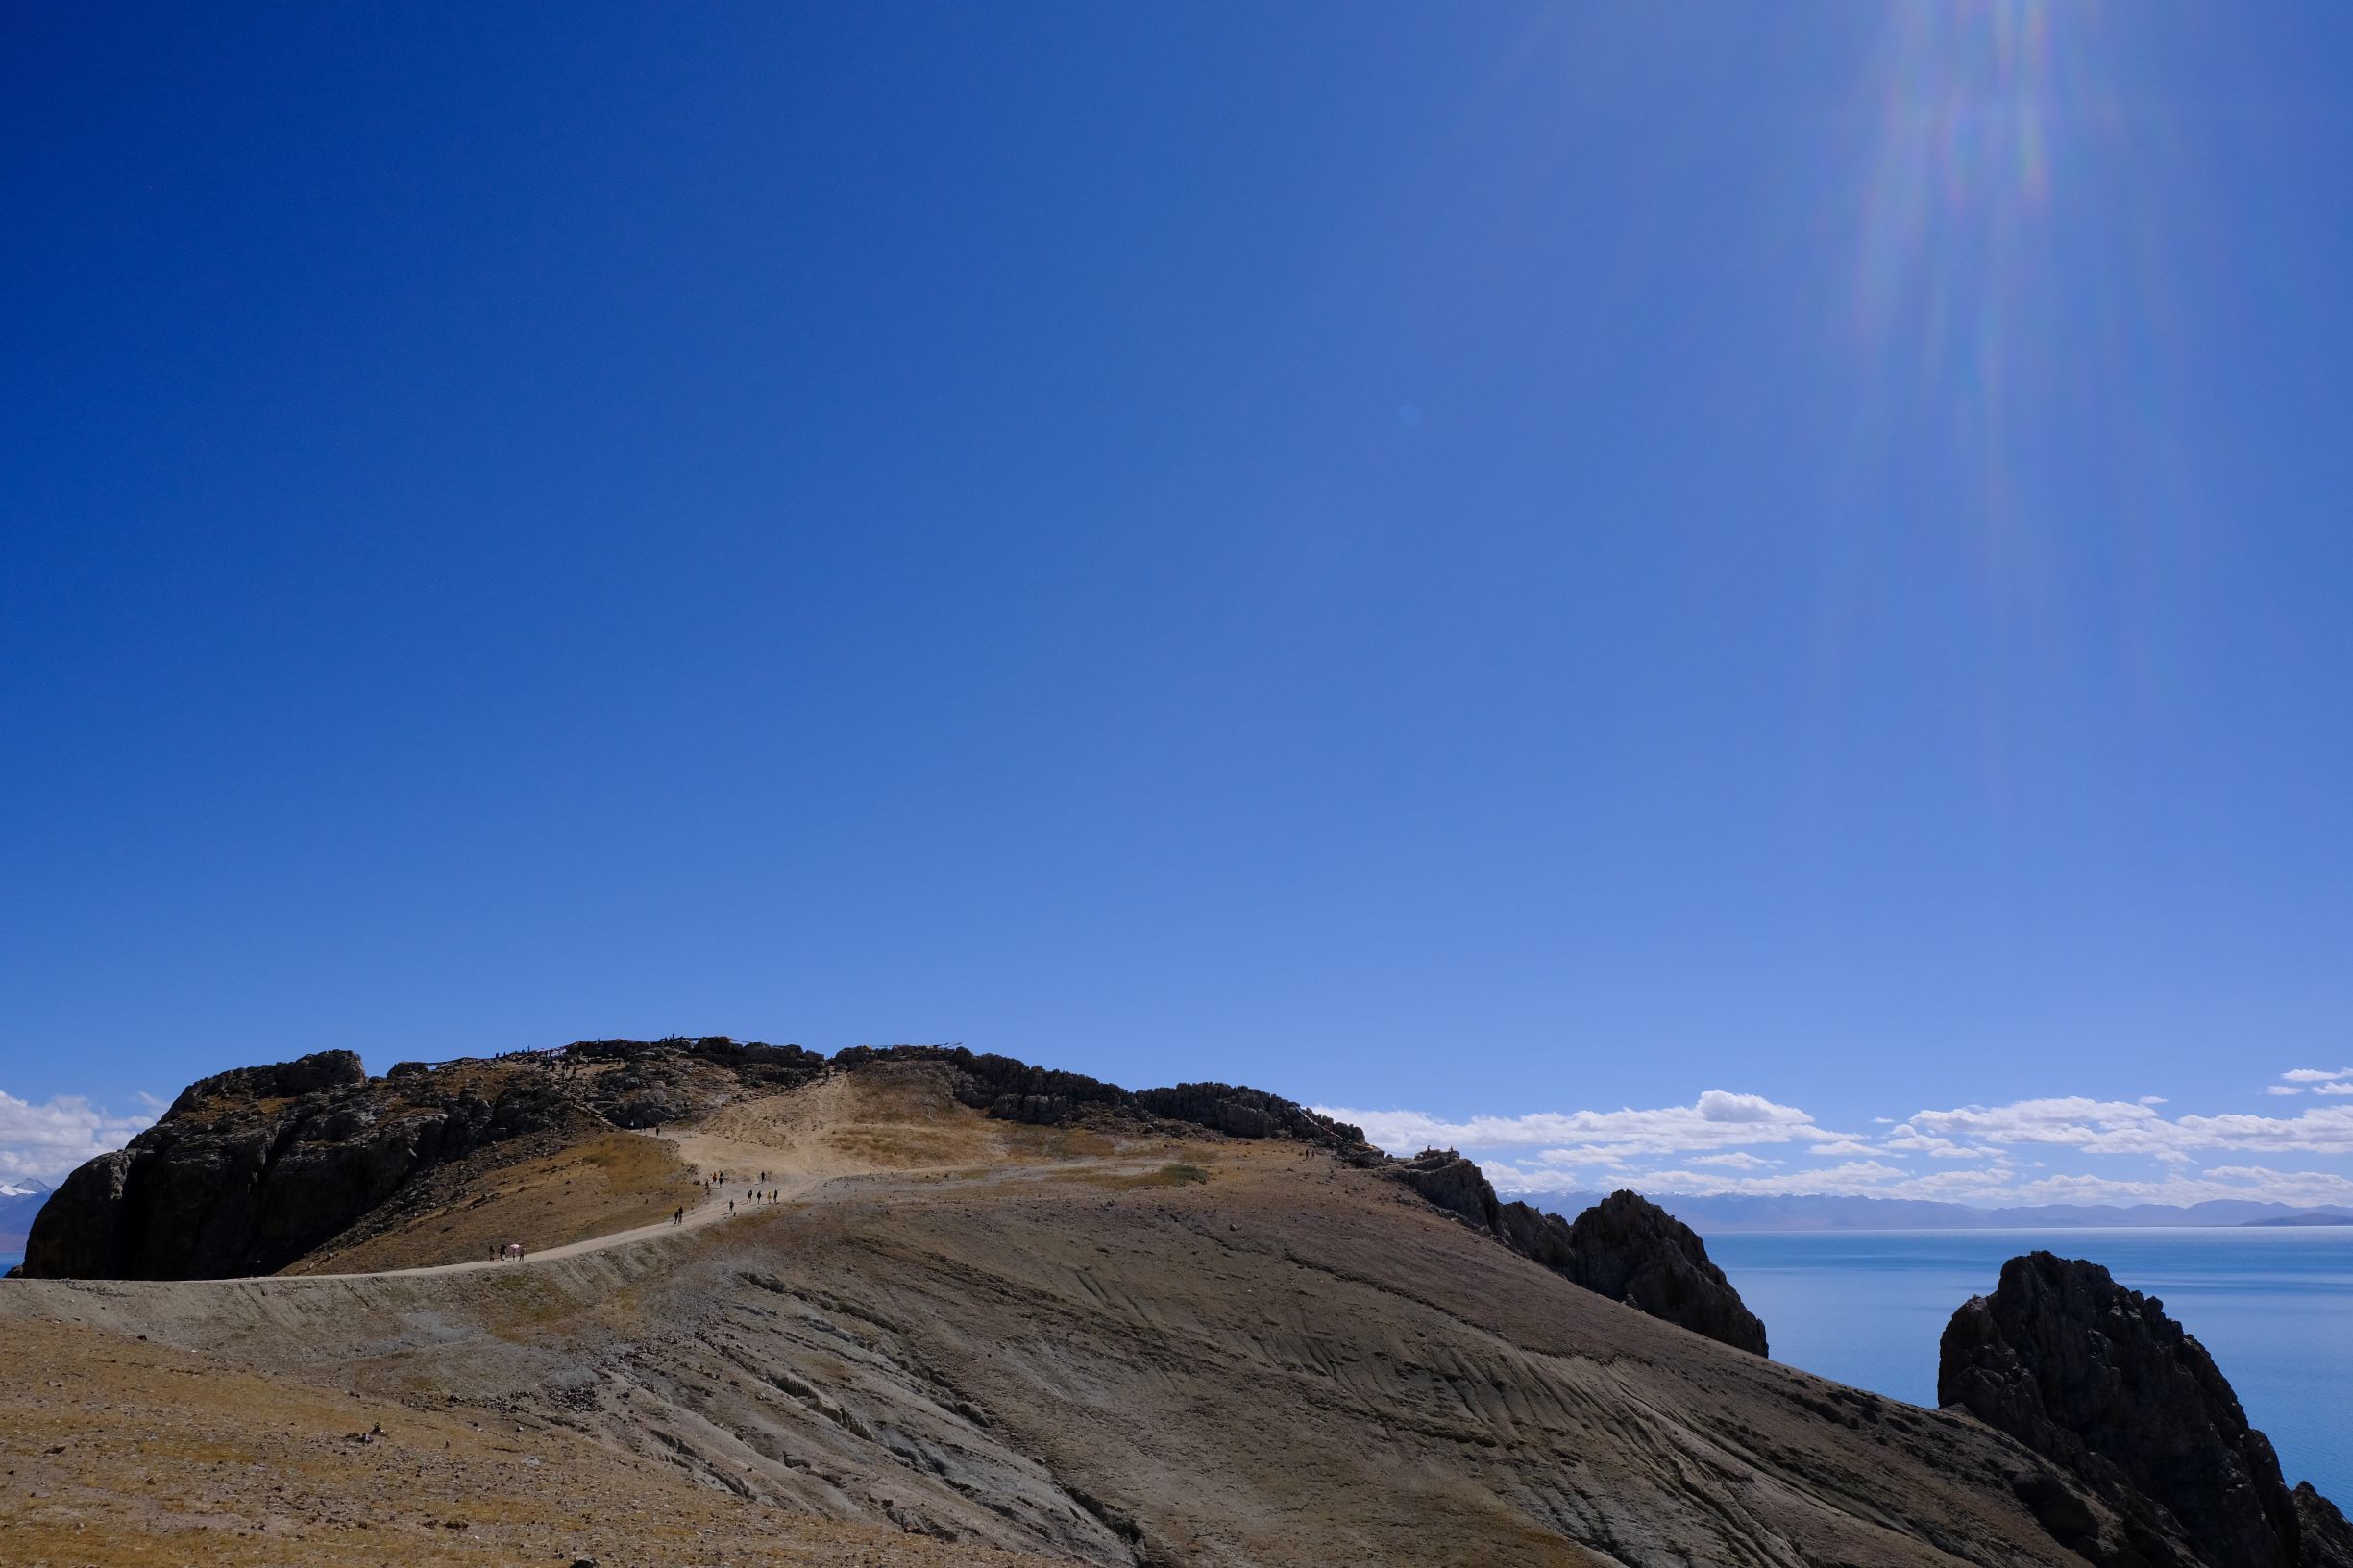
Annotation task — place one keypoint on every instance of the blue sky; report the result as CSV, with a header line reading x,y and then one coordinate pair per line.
x,y
1508,562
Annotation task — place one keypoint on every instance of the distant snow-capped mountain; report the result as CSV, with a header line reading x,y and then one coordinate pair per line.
x,y
20,1198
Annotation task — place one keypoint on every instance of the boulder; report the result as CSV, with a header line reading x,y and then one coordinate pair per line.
x,y
2097,1380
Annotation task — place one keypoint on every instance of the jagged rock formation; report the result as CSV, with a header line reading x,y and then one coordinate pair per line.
x,y
1629,1249
1625,1247
2097,1380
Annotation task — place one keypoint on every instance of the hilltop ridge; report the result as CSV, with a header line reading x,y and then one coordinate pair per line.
x,y
312,1165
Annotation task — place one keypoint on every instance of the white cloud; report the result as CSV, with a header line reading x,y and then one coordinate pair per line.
x,y
2128,1127
1850,1179
1906,1140
2285,1088
1718,1119
2314,1075
46,1140
1727,1142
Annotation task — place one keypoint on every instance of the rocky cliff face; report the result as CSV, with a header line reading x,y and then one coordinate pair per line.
x,y
2097,1380
252,1168
1625,1247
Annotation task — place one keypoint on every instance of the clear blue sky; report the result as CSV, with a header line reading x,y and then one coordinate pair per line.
x,y
1484,560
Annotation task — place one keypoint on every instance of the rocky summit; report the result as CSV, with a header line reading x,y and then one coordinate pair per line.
x,y
2097,1380
693,1302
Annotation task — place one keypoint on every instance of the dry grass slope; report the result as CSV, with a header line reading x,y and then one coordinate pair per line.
x,y
615,1181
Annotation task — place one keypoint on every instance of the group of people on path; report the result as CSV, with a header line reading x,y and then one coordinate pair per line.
x,y
712,1185
512,1251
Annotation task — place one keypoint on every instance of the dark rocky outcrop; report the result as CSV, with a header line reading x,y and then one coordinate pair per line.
x,y
2326,1537
1455,1184
2097,1380
662,1082
1013,1091
251,1169
284,1080
1247,1113
1625,1247
243,1177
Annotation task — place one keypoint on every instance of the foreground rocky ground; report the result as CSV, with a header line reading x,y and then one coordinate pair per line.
x,y
1054,1325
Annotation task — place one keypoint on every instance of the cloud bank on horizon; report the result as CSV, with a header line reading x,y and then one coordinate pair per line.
x,y
48,1139
1725,1144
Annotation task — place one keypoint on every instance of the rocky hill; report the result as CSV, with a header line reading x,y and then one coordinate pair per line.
x,y
992,1311
258,1170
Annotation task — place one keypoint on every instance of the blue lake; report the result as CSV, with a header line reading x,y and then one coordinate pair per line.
x,y
2273,1307
9,1260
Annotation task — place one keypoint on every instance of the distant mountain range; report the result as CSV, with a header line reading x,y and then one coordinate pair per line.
x,y
20,1199
1741,1212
